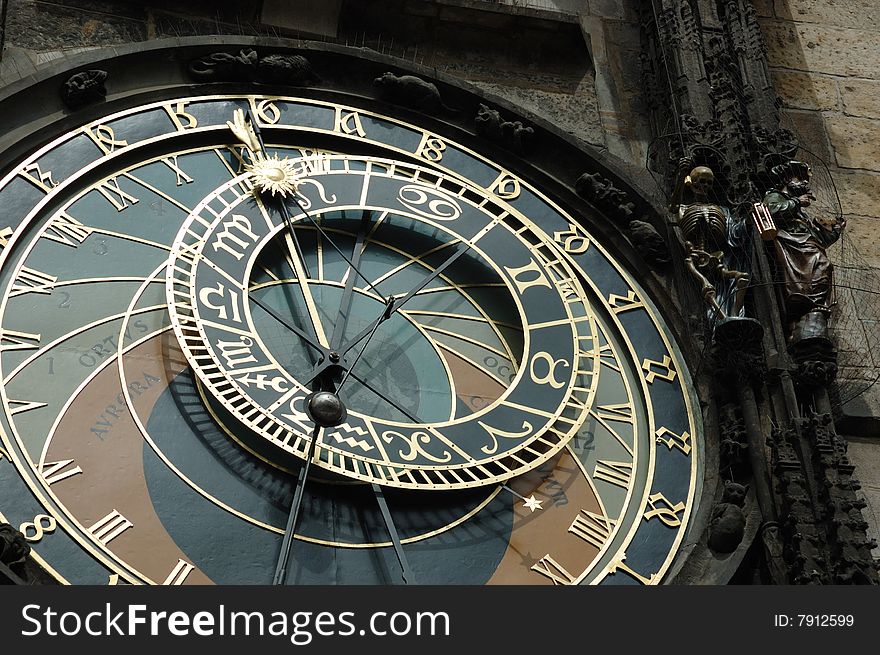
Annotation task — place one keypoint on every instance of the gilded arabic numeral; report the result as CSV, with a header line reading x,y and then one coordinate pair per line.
x,y
179,116
666,374
592,528
238,352
41,525
571,241
15,340
621,304
550,568
530,275
550,376
19,406
111,526
672,440
348,122
266,111
505,186
111,190
663,509
105,138
206,294
53,472
616,473
40,178
431,147
171,162
32,280
241,225
67,230
618,565
179,573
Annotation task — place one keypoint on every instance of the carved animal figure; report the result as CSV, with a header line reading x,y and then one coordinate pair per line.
x,y
511,134
411,91
84,88
287,69
728,522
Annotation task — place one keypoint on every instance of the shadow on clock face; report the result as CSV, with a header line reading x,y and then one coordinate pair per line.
x,y
218,515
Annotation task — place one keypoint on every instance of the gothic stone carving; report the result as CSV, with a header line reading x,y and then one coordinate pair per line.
x,y
248,66
513,135
411,91
84,88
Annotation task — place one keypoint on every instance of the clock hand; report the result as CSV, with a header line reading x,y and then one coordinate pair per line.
x,y
388,400
392,304
395,538
293,516
327,411
396,302
299,332
250,134
345,303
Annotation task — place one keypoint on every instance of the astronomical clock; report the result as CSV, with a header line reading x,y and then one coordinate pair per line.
x,y
259,332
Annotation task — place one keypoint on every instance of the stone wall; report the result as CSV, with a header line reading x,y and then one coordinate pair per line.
x,y
825,61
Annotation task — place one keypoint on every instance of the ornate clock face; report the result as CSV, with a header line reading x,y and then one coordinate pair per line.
x,y
172,300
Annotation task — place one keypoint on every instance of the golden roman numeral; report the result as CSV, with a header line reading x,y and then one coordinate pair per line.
x,y
592,528
171,162
32,280
15,340
53,472
618,412
616,473
109,188
550,568
5,233
179,573
65,229
19,406
111,526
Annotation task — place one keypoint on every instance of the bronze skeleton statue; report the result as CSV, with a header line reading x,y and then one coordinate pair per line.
x,y
716,244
